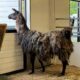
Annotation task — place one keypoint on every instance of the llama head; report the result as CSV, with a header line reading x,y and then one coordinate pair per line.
x,y
13,15
20,21
66,33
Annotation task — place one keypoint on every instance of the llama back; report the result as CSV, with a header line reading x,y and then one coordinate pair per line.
x,y
29,40
43,47
61,44
38,43
55,41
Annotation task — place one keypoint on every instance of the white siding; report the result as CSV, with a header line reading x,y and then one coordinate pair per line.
x,y
11,56
62,13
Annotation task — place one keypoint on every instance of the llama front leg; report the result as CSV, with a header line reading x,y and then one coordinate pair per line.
x,y
42,65
32,59
25,61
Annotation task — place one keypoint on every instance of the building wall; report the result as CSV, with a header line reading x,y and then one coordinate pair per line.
x,y
40,15
62,13
75,56
48,14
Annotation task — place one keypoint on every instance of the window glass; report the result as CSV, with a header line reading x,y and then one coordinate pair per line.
x,y
5,9
74,19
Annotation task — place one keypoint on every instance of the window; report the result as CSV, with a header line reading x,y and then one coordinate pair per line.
x,y
22,6
5,9
25,9
28,12
75,17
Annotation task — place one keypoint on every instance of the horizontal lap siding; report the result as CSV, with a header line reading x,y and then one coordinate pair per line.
x,y
62,13
39,15
11,57
61,23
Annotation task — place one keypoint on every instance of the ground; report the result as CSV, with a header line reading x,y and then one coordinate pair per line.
x,y
72,73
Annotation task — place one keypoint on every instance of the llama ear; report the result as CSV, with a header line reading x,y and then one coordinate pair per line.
x,y
15,10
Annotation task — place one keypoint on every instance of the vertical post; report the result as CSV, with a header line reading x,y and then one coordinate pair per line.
x,y
25,10
78,30
28,9
20,5
20,9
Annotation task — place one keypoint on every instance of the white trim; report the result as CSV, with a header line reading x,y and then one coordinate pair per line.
x,y
28,13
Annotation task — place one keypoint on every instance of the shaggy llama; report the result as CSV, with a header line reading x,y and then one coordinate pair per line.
x,y
43,46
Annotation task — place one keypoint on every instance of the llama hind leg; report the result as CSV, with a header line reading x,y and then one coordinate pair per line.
x,y
32,59
64,63
42,65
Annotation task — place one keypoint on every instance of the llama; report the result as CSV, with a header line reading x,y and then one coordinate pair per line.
x,y
43,46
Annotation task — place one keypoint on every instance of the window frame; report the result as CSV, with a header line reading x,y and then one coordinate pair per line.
x,y
78,22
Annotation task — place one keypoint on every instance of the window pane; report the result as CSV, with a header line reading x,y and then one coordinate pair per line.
x,y
74,19
5,9
23,7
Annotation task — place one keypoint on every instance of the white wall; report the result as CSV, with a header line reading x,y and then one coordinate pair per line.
x,y
51,15
43,18
62,13
43,14
75,56
40,15
28,12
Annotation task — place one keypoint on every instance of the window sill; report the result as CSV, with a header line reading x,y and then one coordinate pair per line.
x,y
11,31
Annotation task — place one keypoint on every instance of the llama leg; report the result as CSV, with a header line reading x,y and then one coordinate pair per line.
x,y
64,63
42,65
32,58
25,60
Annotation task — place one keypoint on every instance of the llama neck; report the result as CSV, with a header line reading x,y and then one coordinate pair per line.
x,y
21,34
21,27
24,27
21,23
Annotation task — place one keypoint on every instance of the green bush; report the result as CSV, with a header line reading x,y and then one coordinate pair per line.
x,y
73,7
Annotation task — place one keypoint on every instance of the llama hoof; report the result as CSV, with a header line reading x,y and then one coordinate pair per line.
x,y
43,70
61,74
31,72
